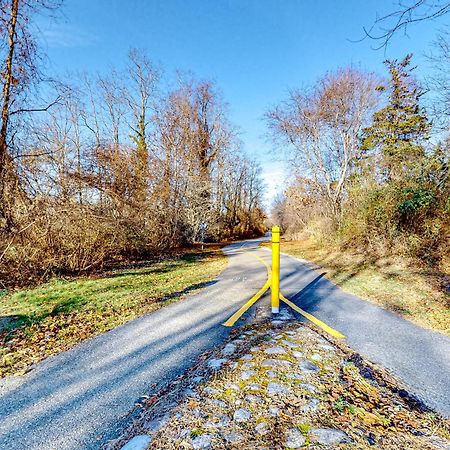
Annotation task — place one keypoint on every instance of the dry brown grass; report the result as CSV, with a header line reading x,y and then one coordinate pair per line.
x,y
417,293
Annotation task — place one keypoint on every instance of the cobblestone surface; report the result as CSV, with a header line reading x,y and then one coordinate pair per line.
x,y
285,386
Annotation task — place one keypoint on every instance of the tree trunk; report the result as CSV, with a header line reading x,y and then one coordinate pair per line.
x,y
8,177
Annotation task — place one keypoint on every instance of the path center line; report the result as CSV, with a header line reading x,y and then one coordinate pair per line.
x,y
235,317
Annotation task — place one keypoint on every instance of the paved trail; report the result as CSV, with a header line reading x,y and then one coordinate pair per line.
x,y
81,398
419,358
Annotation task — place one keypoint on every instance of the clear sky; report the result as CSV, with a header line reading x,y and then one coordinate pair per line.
x,y
255,50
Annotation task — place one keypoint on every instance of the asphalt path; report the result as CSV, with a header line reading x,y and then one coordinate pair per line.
x,y
419,358
82,398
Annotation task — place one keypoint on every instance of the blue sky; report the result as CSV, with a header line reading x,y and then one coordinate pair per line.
x,y
255,50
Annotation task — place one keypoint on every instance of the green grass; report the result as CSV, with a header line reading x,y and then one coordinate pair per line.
x,y
394,283
35,323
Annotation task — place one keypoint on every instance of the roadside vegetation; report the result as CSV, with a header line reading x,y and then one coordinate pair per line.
x,y
399,284
103,167
370,196
36,323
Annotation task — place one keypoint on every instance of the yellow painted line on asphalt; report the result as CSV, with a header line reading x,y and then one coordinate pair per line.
x,y
312,318
233,319
260,259
236,316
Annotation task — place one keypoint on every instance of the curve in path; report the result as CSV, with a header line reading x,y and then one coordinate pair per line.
x,y
81,398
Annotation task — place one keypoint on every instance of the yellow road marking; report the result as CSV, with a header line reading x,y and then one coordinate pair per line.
x,y
313,319
258,257
235,317
232,320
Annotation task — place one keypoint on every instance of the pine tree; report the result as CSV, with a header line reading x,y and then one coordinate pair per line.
x,y
400,128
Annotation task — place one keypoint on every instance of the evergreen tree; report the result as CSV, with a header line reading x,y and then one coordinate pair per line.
x,y
141,171
399,129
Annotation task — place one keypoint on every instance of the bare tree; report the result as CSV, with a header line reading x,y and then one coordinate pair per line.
x,y
140,93
323,129
408,13
438,82
19,73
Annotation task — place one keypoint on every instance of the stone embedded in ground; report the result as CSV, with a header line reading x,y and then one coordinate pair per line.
x,y
223,421
253,398
274,411
220,403
311,406
306,331
247,357
233,386
253,387
327,347
229,349
232,438
210,391
210,426
308,387
138,443
190,393
294,376
247,374
329,436
255,349
242,415
198,413
202,442
262,428
275,351
298,355
216,363
197,379
276,389
156,424
308,367
185,432
271,374
248,365
275,363
294,438
291,333
289,343
316,357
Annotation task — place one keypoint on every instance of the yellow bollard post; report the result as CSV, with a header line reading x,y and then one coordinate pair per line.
x,y
275,284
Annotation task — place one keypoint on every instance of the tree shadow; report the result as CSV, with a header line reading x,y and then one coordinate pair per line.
x,y
83,381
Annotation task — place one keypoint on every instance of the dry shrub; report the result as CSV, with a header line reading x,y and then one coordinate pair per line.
x,y
70,238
